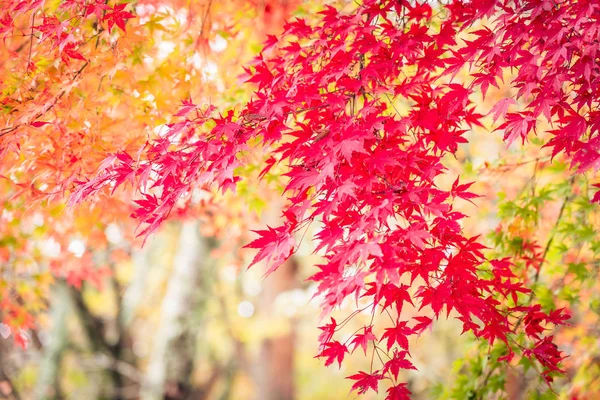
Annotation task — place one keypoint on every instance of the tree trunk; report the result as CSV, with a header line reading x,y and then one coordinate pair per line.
x,y
276,364
515,384
7,370
48,385
134,292
172,360
94,329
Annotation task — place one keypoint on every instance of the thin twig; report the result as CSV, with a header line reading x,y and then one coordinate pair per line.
x,y
6,131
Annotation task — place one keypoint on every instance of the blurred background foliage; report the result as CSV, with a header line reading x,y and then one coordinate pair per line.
x,y
101,317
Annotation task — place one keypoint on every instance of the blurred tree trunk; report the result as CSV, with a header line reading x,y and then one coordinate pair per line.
x,y
110,341
516,385
48,385
134,291
94,328
275,368
172,358
7,370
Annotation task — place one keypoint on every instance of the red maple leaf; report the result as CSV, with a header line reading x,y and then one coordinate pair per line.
x,y
461,191
96,7
70,52
397,334
501,107
275,246
363,339
397,363
187,106
365,381
424,323
398,392
333,351
117,16
596,198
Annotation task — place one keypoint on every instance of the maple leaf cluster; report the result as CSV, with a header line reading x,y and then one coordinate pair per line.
x,y
365,172
60,116
60,30
552,46
45,49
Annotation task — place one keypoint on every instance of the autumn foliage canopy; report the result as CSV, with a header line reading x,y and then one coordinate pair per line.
x,y
358,110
